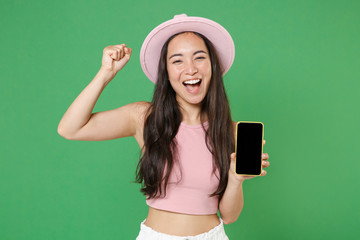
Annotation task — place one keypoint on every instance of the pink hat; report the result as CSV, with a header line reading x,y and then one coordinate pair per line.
x,y
153,43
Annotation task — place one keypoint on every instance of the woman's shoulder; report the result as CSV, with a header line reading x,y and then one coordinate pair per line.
x,y
140,109
141,106
139,112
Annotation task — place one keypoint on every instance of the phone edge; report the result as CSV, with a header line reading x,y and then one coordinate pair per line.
x,y
262,146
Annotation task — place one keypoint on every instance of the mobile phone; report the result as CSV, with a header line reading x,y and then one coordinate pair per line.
x,y
249,148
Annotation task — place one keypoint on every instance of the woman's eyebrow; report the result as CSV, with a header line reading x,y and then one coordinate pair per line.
x,y
175,55
200,51
179,54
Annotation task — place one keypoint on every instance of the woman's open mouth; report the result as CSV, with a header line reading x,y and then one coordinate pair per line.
x,y
192,86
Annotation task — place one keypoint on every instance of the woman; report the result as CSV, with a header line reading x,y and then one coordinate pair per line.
x,y
186,133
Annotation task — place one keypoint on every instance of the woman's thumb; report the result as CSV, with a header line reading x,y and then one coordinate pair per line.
x,y
233,156
128,52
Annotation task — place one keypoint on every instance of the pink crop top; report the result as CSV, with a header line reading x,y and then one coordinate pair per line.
x,y
188,192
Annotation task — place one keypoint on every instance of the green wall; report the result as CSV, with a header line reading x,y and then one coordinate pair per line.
x,y
296,69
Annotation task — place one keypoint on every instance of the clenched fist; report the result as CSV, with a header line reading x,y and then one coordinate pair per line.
x,y
115,58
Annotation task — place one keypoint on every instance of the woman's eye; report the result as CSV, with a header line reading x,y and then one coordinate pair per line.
x,y
200,58
177,61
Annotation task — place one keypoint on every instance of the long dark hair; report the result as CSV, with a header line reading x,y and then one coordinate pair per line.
x,y
163,121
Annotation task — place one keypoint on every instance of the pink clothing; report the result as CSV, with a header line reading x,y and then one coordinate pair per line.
x,y
192,179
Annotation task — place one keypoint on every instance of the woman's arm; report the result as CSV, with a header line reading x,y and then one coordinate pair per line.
x,y
79,123
232,202
80,111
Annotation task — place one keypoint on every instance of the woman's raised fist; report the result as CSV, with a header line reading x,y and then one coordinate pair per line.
x,y
115,58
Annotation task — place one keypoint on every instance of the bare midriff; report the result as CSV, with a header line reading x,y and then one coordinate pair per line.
x,y
180,224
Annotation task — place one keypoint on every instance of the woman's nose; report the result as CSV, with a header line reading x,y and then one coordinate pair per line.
x,y
190,68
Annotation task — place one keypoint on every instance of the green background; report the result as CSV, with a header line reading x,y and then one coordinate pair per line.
x,y
296,69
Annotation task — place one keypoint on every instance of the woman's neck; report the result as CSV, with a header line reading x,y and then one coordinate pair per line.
x,y
191,114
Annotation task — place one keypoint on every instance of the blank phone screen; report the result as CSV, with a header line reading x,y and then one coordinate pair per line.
x,y
249,148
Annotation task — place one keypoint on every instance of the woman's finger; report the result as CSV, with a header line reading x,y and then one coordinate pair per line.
x,y
121,53
265,164
117,55
113,54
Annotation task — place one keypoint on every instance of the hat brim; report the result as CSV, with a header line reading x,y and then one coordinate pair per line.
x,y
153,43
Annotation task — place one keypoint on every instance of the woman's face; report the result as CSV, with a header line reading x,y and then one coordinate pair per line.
x,y
189,68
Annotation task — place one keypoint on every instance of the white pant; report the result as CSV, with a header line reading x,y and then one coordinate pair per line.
x,y
147,233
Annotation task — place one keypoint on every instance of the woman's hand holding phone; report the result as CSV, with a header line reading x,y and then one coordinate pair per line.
x,y
240,178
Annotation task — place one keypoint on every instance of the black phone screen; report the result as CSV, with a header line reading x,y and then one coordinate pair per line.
x,y
249,148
